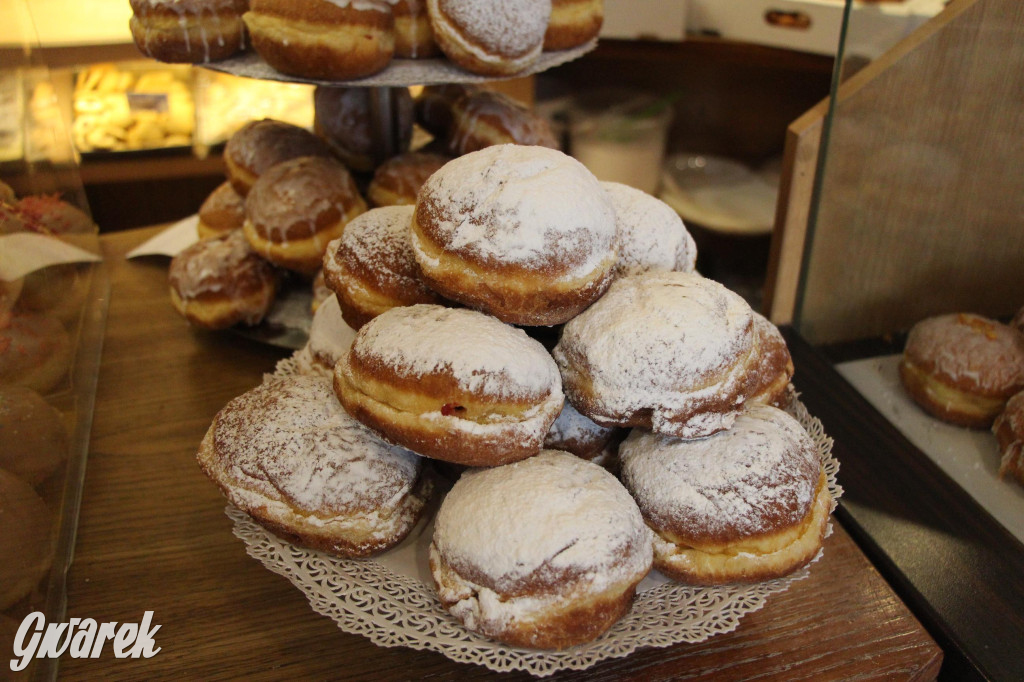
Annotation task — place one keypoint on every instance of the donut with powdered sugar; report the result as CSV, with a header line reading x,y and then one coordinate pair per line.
x,y
652,236
490,38
451,384
288,455
371,267
557,572
524,233
671,352
574,433
962,368
744,505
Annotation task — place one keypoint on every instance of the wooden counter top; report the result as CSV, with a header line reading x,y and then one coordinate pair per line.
x,y
153,536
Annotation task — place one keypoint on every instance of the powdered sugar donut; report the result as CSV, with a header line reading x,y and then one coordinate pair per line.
x,y
288,455
371,267
330,337
297,208
558,570
747,504
451,384
220,282
962,368
1009,431
484,118
652,236
574,433
490,38
668,351
775,368
526,234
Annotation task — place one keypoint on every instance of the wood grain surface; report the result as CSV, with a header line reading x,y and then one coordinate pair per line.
x,y
153,536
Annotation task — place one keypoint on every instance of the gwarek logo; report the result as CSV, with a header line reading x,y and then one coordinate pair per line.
x,y
82,638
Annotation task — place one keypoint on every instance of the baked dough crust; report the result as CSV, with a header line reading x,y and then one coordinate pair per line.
x,y
572,23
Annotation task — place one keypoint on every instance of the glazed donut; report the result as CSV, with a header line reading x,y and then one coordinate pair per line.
x,y
220,282
343,118
572,432
297,207
33,436
433,106
557,571
397,181
222,212
573,23
56,216
258,146
962,368
490,38
330,337
523,233
371,267
287,454
652,236
671,352
1008,428
319,291
25,523
451,384
35,351
485,118
414,39
188,31
323,39
743,505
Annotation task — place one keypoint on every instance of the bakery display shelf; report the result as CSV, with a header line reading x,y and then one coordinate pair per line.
x,y
955,565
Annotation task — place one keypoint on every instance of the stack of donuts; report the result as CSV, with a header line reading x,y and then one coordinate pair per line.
x,y
348,39
539,342
968,370
290,191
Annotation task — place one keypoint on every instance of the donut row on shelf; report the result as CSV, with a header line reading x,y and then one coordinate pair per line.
x,y
968,370
349,39
40,315
517,320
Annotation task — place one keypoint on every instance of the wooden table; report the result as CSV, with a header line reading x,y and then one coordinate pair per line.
x,y
153,536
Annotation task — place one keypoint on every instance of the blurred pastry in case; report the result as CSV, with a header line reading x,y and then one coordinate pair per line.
x,y
344,118
33,435
188,31
433,106
258,146
25,547
35,351
1009,431
222,212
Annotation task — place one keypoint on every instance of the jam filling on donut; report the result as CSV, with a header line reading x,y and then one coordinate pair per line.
x,y
448,409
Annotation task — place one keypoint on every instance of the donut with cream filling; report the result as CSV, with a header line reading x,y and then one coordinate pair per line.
x,y
490,38
188,31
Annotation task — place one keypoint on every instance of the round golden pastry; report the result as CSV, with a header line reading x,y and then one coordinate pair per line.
x,y
573,23
962,368
188,31
433,106
222,212
451,384
220,282
330,337
490,38
744,505
35,351
775,368
25,554
371,267
287,454
297,208
574,433
344,119
323,39
652,236
1008,428
523,233
414,39
258,146
397,181
486,118
56,216
33,436
671,352
518,560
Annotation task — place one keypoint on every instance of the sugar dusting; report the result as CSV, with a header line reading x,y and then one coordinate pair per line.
x,y
511,28
758,475
652,236
482,353
220,265
289,439
967,347
330,337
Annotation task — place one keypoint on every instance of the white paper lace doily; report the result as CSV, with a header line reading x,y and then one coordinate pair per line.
x,y
391,601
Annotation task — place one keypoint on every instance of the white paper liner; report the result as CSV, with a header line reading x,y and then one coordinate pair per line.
x,y
396,605
399,73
